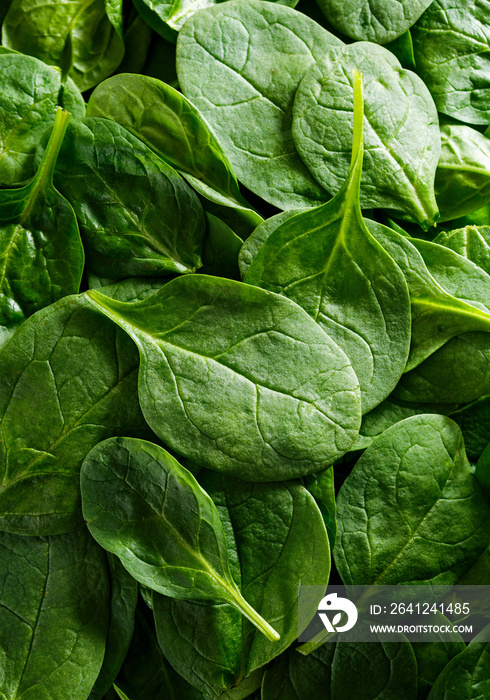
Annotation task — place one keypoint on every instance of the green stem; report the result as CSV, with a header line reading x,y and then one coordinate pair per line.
x,y
241,604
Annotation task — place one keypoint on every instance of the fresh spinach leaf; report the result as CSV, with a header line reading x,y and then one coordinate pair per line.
x,y
277,541
391,411
72,362
239,379
411,511
467,675
327,673
81,37
327,261
473,242
41,253
29,93
462,182
124,597
451,44
482,472
182,557
221,250
137,216
437,315
322,488
402,48
173,128
400,125
146,674
380,21
254,55
474,421
53,615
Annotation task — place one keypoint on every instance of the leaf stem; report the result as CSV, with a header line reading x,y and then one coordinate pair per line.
x,y
254,617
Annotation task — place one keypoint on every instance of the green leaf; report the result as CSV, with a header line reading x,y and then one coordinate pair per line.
x,y
277,541
374,671
29,93
53,615
474,421
392,410
221,250
72,362
239,379
133,493
411,510
137,216
451,44
473,242
327,261
124,597
77,36
41,253
175,130
322,488
437,316
462,182
466,676
146,674
400,125
402,48
254,55
482,472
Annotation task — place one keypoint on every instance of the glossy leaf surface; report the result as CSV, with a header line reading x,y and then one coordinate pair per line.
x,y
239,379
402,143
126,485
327,262
411,511
473,242
34,89
277,541
137,216
254,55
53,615
74,363
41,253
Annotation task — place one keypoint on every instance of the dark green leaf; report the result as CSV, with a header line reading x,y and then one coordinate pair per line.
x,y
40,248
467,675
254,55
77,36
400,125
137,216
411,510
53,615
474,421
277,541
72,362
221,250
134,495
239,379
482,472
327,262
29,93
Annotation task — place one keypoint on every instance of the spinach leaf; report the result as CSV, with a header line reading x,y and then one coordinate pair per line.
x,y
175,130
462,182
146,674
239,379
254,55
277,541
474,421
124,597
53,615
186,558
392,410
456,373
41,251
380,21
327,261
402,48
221,249
327,673
437,316
137,216
479,573
81,37
473,242
322,488
74,363
451,44
165,15
467,675
29,93
433,657
411,510
400,124
482,472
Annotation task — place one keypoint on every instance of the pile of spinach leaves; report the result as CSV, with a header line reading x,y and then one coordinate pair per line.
x,y
244,341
